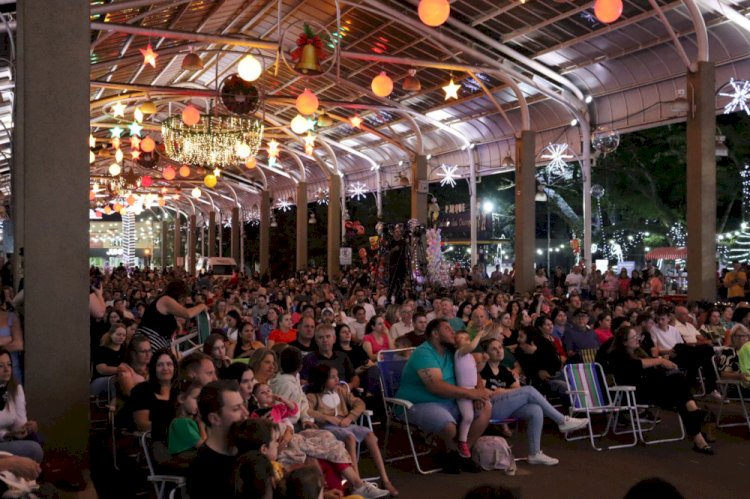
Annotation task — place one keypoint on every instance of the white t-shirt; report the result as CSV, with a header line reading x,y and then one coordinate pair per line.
x,y
573,282
687,331
666,340
400,329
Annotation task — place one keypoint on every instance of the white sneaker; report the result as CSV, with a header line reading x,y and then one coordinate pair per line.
x,y
370,491
716,396
572,424
542,458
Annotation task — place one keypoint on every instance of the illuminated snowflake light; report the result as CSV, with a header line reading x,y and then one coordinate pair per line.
x,y
739,96
284,205
322,196
557,155
448,172
358,190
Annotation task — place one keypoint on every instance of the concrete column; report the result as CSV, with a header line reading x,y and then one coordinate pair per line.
x,y
164,243
220,227
177,241
211,233
301,225
419,199
265,227
236,234
190,251
525,212
334,225
701,183
51,181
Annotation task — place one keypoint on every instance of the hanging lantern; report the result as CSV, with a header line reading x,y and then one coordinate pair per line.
x,y
146,181
249,68
324,121
148,144
251,163
196,192
382,85
608,11
114,169
411,83
210,181
184,171
168,173
190,115
243,150
307,103
192,62
148,107
434,12
299,124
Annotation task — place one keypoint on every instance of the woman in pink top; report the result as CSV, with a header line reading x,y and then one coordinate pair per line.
x,y
376,337
603,327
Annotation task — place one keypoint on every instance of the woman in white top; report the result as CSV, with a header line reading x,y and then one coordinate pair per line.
x,y
17,433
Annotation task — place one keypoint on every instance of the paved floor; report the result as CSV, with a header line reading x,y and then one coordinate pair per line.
x,y
586,473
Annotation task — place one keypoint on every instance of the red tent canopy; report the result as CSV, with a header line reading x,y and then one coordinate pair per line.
x,y
667,253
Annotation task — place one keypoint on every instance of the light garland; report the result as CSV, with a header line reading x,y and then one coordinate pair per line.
x,y
212,141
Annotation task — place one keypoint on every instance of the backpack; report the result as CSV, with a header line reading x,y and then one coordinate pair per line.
x,y
494,453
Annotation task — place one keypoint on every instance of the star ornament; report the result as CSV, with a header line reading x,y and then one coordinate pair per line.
x,y
451,90
149,56
309,143
135,129
136,154
116,132
356,121
739,96
118,109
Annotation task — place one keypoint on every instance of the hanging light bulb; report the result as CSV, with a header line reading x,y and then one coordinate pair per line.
x,y
138,115
307,103
249,68
608,11
242,150
434,12
192,62
196,192
299,124
119,155
114,169
190,115
382,85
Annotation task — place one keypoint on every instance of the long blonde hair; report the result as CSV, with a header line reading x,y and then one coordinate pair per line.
x,y
106,340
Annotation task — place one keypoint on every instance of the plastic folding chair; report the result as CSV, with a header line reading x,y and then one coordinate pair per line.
x,y
590,394
724,385
391,365
160,481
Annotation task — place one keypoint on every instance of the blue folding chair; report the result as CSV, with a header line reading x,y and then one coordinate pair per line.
x,y
391,365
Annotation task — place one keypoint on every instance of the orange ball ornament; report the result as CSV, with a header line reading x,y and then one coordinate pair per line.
x,y
307,103
148,144
434,12
169,173
191,116
382,85
608,11
251,162
184,171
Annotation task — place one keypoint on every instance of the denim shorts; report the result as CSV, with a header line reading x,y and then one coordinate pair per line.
x,y
432,417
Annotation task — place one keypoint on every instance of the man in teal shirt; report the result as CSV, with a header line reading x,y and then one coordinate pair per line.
x,y
429,382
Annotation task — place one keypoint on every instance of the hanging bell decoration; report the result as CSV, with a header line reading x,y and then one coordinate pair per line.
x,y
411,83
308,63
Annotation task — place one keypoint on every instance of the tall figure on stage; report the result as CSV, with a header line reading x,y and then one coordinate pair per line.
x,y
397,265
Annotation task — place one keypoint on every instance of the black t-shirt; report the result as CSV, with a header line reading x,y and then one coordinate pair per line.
x,y
357,355
161,412
306,349
503,379
338,360
107,356
211,475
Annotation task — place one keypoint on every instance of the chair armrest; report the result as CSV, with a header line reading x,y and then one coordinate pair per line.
x,y
622,388
400,402
578,392
368,413
176,479
728,382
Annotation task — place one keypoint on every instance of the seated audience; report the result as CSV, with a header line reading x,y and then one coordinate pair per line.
x,y
17,433
108,357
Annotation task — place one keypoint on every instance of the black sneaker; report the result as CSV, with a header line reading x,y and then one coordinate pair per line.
x,y
450,462
467,464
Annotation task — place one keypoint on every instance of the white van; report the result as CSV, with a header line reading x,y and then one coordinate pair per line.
x,y
220,266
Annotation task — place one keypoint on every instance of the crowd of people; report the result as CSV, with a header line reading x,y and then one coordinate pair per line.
x,y
270,402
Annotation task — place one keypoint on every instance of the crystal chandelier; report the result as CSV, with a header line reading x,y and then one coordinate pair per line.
x,y
215,141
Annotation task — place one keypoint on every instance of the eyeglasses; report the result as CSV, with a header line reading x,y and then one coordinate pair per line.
x,y
143,351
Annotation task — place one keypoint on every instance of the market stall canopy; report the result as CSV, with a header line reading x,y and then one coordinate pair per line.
x,y
667,253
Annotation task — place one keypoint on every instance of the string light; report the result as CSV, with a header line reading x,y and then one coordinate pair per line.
x,y
118,109
309,143
356,121
115,132
135,129
449,174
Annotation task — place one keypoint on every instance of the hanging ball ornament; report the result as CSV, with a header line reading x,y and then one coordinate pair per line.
x,y
191,116
307,103
382,85
434,12
608,11
146,181
299,124
210,180
249,68
114,169
251,163
148,144
597,191
605,140
184,171
168,173
196,192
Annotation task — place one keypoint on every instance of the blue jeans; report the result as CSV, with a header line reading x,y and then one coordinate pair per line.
x,y
23,448
528,404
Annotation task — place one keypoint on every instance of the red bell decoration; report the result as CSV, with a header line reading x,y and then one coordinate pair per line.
x,y
608,11
191,116
307,103
382,85
434,12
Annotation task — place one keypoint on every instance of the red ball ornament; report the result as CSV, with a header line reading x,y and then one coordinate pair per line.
x,y
608,11
146,181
